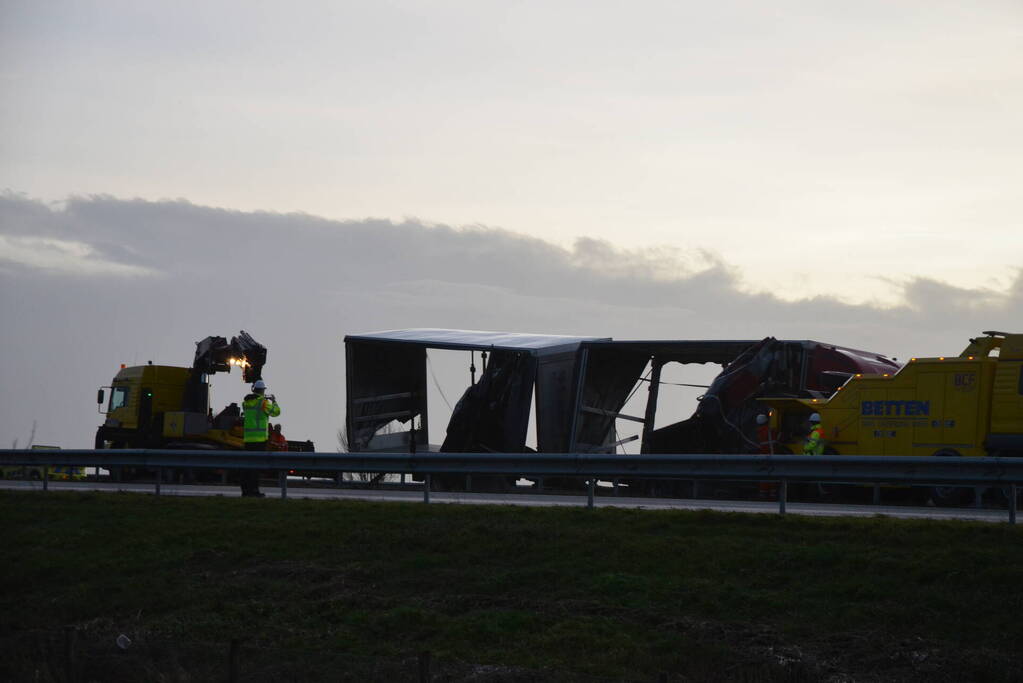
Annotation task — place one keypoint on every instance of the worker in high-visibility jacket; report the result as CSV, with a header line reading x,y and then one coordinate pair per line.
x,y
814,444
258,409
277,442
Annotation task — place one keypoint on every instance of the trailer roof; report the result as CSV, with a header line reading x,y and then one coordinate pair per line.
x,y
682,350
437,338
722,350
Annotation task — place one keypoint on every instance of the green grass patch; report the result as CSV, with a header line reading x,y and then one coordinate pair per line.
x,y
538,593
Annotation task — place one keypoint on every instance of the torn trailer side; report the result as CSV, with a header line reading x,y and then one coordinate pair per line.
x,y
580,387
387,384
609,409
609,373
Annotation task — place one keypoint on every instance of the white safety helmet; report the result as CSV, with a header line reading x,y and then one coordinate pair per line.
x,y
761,419
816,417
258,384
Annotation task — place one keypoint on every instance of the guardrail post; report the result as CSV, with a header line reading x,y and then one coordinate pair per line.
x,y
283,477
427,481
783,494
46,477
877,494
589,492
159,478
1012,503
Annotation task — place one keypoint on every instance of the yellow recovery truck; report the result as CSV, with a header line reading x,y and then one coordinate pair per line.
x,y
965,405
163,406
168,407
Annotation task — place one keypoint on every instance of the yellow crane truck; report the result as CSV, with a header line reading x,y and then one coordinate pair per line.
x,y
965,405
163,406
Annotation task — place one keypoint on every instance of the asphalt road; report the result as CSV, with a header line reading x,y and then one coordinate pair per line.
x,y
532,499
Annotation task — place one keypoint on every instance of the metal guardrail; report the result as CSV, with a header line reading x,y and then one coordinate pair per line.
x,y
832,468
933,471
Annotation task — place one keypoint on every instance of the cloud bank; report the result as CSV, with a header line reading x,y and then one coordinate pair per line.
x,y
98,281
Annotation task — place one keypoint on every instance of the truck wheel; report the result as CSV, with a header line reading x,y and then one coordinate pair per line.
x,y
447,482
999,495
661,488
950,496
493,483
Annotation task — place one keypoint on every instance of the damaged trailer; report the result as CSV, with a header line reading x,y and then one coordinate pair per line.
x,y
387,388
610,373
579,386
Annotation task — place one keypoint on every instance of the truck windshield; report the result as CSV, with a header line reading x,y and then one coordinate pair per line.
x,y
118,398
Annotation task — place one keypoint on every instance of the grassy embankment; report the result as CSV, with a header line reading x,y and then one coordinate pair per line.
x,y
536,593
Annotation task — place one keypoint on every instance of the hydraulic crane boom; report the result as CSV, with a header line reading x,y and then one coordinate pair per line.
x,y
216,354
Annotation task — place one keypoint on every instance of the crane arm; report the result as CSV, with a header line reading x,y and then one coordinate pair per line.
x,y
216,354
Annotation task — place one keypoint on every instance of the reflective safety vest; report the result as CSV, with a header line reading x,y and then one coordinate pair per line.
x,y
258,410
278,442
814,444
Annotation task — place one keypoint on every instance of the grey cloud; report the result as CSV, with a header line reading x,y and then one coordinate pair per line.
x,y
300,283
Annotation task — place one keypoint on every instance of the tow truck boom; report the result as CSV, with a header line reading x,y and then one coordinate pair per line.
x,y
216,354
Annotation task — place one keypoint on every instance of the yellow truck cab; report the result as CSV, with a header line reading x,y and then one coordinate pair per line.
x,y
138,393
146,410
165,406
968,405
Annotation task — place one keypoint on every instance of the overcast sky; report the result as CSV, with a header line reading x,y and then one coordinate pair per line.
x,y
93,283
844,171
